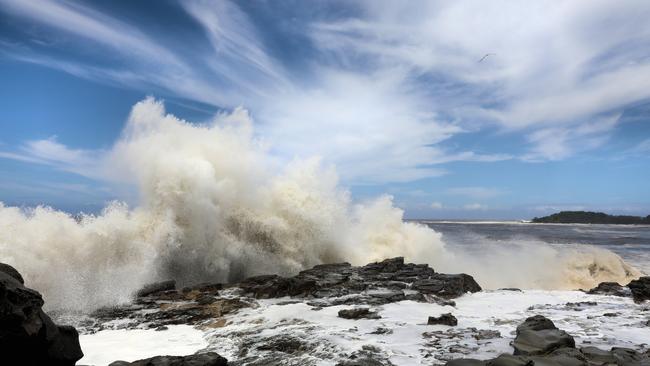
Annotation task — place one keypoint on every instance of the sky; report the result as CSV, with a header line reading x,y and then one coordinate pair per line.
x,y
458,109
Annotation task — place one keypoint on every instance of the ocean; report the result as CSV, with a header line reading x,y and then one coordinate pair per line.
x,y
631,242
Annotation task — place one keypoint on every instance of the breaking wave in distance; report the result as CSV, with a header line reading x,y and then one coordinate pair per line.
x,y
215,206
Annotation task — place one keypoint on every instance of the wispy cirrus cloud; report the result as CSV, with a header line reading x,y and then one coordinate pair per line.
x,y
552,69
475,192
556,143
52,153
385,85
373,124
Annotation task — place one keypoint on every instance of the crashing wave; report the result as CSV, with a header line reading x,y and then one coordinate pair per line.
x,y
214,206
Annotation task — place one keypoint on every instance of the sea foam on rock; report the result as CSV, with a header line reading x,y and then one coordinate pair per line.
x,y
324,285
27,335
540,342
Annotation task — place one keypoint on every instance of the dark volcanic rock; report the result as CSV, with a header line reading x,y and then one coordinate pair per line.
x,y
368,355
640,289
610,288
210,288
156,287
358,313
444,319
447,285
201,359
536,322
466,362
598,356
193,313
277,349
363,361
374,284
12,272
285,344
27,335
538,336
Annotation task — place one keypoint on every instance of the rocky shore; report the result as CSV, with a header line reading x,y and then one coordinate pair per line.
x,y
337,314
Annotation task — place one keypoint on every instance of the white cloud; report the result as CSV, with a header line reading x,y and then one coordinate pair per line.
x,y
372,124
238,54
436,205
147,64
557,208
475,207
554,67
557,143
642,148
390,85
87,23
52,153
474,192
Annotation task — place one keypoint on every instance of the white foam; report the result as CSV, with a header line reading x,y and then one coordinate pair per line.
x,y
107,346
490,310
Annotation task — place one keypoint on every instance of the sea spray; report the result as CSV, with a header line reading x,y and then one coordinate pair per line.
x,y
216,206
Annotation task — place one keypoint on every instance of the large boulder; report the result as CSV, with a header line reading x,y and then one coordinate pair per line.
x,y
640,289
444,319
358,313
201,359
27,335
539,336
610,288
11,271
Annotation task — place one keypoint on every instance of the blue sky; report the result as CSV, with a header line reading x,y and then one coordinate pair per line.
x,y
391,93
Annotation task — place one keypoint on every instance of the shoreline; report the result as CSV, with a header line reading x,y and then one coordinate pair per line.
x,y
514,222
387,313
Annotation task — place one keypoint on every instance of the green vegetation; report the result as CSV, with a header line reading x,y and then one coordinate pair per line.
x,y
586,217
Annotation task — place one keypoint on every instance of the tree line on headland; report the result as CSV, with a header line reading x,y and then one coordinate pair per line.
x,y
586,217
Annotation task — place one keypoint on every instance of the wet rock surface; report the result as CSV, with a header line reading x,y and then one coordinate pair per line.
x,y
202,359
540,342
444,319
209,306
358,313
610,288
377,283
640,289
162,308
28,336
368,355
156,287
538,335
161,304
